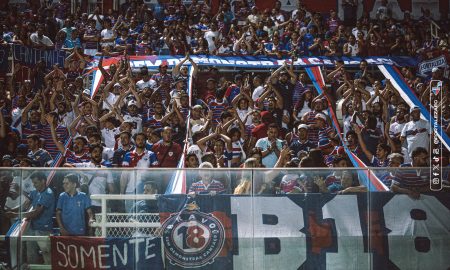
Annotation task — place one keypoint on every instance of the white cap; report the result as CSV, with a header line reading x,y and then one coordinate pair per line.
x,y
117,85
196,128
132,102
435,69
86,91
321,116
302,126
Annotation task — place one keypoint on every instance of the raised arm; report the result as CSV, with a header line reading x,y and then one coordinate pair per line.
x,y
368,154
27,109
50,120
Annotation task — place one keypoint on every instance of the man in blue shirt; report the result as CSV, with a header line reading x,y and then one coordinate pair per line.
x,y
42,201
72,207
270,146
40,157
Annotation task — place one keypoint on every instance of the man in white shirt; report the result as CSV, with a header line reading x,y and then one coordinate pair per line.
x,y
41,41
96,181
107,34
211,36
145,81
133,117
416,132
259,89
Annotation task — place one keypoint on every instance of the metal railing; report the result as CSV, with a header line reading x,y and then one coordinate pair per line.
x,y
118,221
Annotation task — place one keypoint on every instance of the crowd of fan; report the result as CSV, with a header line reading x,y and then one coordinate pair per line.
x,y
239,28
273,119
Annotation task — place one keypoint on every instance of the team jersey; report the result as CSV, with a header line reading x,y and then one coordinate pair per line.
x,y
136,120
62,135
313,133
40,158
146,159
200,188
412,178
29,129
217,108
71,157
159,78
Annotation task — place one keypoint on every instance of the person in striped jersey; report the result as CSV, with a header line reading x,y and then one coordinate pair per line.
x,y
78,154
310,119
207,185
217,105
61,132
414,181
32,119
184,104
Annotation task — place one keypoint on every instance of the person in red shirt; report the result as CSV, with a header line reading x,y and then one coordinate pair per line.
x,y
167,151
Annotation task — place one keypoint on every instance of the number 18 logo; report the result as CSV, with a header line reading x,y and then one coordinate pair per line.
x,y
192,238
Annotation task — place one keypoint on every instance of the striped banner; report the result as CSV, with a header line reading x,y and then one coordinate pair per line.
x,y
367,177
393,74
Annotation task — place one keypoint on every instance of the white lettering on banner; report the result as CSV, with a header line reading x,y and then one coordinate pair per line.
x,y
71,256
266,63
84,254
350,254
214,61
173,61
148,246
136,242
427,66
78,257
327,62
123,256
314,61
102,255
59,247
252,233
420,232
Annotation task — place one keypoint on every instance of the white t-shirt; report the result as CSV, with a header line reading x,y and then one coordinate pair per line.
x,y
211,37
137,120
45,40
111,100
99,179
242,114
107,34
195,149
67,119
16,116
150,83
257,92
417,134
108,136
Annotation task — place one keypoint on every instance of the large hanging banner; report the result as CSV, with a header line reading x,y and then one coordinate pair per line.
x,y
256,61
306,231
376,230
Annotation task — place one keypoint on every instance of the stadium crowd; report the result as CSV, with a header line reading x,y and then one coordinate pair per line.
x,y
271,119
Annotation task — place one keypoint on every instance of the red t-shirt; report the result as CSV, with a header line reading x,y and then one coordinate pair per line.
x,y
169,160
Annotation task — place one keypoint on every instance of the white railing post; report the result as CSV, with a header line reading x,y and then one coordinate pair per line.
x,y
104,221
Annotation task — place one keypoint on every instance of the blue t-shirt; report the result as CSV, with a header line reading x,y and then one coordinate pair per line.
x,y
46,199
271,159
73,212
